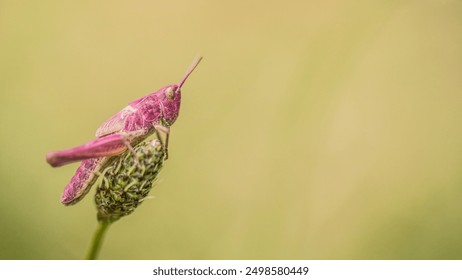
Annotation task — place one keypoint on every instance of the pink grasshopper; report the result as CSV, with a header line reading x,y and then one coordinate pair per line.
x,y
152,113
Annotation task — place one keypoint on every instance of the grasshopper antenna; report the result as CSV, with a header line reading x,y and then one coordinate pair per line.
x,y
190,70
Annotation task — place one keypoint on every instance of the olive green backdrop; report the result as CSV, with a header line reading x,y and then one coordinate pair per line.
x,y
311,129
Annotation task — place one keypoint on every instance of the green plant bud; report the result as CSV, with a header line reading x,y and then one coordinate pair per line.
x,y
127,180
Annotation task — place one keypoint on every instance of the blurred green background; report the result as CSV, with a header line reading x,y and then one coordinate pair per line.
x,y
311,129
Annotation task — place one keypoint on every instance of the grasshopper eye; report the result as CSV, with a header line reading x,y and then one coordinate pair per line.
x,y
170,93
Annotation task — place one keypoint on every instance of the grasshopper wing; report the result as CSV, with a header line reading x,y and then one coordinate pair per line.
x,y
115,123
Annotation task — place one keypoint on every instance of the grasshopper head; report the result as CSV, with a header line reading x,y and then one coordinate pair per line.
x,y
170,92
171,96
170,100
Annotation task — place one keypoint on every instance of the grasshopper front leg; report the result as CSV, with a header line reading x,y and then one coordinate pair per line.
x,y
166,131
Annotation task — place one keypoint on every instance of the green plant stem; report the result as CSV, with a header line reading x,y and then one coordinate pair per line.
x,y
98,240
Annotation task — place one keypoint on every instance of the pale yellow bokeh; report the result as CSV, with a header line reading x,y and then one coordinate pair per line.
x,y
311,129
